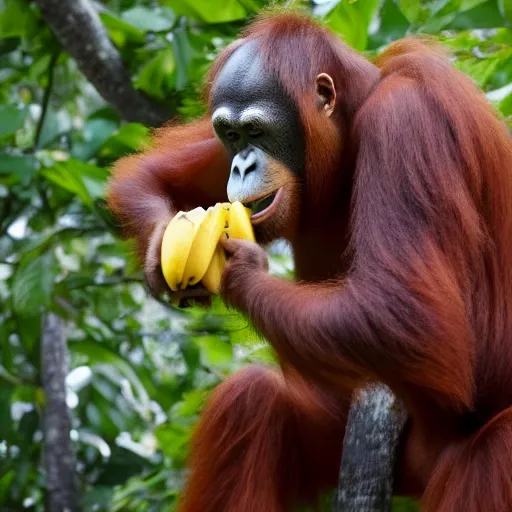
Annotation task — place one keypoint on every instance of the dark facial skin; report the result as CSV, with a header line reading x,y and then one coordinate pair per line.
x,y
258,123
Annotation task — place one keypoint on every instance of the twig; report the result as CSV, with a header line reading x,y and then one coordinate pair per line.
x,y
12,379
40,125
46,99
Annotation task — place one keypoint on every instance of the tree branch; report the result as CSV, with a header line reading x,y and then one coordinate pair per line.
x,y
79,30
58,454
46,100
374,425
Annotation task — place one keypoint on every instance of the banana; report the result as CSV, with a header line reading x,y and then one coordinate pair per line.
x,y
239,222
190,246
203,246
176,244
211,280
238,225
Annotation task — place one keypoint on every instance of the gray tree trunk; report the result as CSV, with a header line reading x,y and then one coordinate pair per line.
x,y
62,494
79,30
375,422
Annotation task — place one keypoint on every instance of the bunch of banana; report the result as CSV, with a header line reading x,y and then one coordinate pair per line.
x,y
190,247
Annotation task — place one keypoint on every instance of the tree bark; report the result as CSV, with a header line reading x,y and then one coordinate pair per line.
x,y
59,458
375,422
79,30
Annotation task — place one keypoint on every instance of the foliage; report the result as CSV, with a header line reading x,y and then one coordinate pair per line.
x,y
140,372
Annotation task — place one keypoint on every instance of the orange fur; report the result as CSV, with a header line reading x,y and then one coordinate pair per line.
x,y
263,443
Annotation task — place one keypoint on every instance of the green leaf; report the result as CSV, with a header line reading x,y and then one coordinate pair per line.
x,y
5,485
17,19
99,354
351,20
483,15
120,31
84,180
33,284
108,306
410,8
99,498
214,351
438,14
11,119
262,355
393,25
94,134
184,53
505,106
56,122
481,70
505,7
65,177
443,7
173,440
253,5
20,167
470,4
210,11
190,405
157,77
130,137
149,20
30,332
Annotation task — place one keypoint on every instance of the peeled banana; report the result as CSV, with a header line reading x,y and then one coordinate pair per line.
x,y
190,247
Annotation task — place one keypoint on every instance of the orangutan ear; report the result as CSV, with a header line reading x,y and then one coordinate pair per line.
x,y
326,93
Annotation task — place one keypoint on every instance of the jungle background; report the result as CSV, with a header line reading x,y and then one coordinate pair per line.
x,y
73,308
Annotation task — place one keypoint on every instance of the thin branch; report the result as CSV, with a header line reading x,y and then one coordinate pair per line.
x,y
79,30
13,379
39,130
46,99
71,310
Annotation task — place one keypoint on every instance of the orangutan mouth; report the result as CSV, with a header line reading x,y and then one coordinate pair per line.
x,y
264,206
